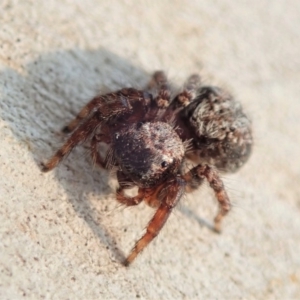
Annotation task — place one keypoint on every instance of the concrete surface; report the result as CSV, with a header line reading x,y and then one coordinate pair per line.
x,y
62,233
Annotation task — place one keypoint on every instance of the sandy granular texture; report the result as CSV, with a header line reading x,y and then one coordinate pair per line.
x,y
62,233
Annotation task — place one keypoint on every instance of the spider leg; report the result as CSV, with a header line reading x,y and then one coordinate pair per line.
x,y
158,81
190,88
160,88
78,136
125,183
129,201
169,197
93,115
96,157
194,179
84,113
102,136
193,83
107,106
184,98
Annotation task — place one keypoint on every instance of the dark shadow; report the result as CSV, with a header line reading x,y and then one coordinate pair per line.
x,y
191,215
54,87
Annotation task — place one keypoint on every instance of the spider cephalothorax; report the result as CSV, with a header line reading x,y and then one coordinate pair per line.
x,y
149,137
148,152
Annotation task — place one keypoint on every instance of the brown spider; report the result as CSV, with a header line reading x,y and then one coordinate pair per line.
x,y
149,138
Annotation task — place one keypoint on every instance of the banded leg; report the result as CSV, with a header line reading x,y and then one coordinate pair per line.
x,y
190,88
79,135
106,106
160,87
84,113
92,116
171,195
195,178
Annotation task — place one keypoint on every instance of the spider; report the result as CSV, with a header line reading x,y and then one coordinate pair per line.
x,y
150,134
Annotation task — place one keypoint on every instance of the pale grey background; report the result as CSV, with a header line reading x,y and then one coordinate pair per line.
x,y
60,232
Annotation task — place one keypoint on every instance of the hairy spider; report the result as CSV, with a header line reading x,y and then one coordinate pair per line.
x,y
150,134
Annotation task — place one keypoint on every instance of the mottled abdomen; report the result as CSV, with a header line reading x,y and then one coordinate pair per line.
x,y
220,129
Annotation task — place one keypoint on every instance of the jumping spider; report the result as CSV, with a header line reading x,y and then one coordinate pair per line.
x,y
150,135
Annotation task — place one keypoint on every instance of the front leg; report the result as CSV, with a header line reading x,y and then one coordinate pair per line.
x,y
168,197
129,201
126,183
195,178
108,106
81,134
96,113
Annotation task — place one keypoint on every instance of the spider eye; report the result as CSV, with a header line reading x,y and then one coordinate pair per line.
x,y
164,164
139,125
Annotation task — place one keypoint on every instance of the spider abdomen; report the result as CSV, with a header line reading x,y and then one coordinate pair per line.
x,y
221,131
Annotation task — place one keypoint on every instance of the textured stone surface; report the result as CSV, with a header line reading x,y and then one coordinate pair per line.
x,y
61,231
